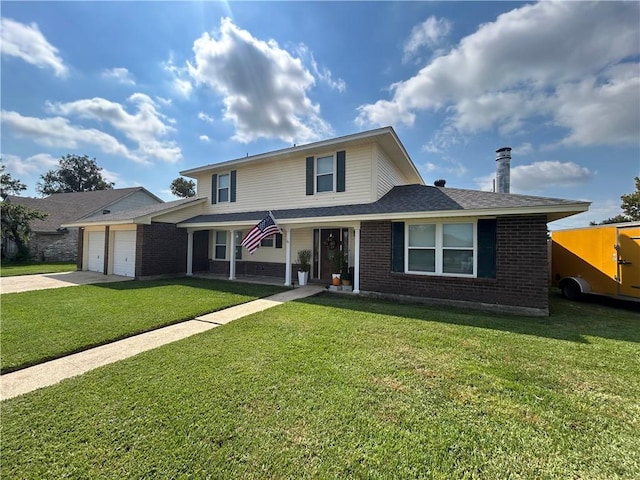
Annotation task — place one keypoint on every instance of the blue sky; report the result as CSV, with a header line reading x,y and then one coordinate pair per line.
x,y
153,88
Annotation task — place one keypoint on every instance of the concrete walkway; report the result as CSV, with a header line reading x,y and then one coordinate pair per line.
x,y
43,281
50,373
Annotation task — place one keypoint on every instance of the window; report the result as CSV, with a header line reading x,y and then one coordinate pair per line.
x,y
221,245
267,242
274,240
324,174
441,248
238,240
223,188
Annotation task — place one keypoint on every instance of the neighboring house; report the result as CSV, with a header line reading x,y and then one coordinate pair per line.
x,y
360,194
51,241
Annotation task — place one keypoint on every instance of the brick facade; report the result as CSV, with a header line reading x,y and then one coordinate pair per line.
x,y
55,246
267,269
161,249
521,268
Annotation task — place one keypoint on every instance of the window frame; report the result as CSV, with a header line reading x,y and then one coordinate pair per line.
x,y
216,245
227,188
333,173
439,248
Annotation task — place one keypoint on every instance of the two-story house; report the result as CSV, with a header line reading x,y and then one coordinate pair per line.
x,y
363,196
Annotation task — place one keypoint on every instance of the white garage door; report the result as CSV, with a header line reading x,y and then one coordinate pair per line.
x,y
124,253
95,255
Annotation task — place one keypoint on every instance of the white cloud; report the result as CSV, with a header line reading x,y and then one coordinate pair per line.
x,y
523,149
204,138
429,33
529,62
145,127
180,81
323,73
33,165
539,176
205,118
58,132
120,75
28,43
602,113
264,88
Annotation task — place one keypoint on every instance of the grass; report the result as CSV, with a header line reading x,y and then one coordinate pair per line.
x,y
32,268
46,324
341,387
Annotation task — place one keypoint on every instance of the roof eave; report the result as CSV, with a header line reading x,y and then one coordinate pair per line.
x,y
297,149
555,212
138,220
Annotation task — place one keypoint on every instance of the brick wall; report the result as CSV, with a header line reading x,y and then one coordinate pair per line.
x,y
267,269
161,249
521,267
56,247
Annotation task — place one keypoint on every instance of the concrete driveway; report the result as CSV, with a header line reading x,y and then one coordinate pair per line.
x,y
25,283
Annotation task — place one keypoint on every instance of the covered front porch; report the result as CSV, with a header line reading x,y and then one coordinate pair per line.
x,y
215,249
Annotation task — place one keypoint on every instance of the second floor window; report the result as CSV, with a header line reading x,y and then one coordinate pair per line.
x,y
324,174
223,188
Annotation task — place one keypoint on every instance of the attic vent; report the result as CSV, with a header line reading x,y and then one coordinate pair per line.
x,y
440,183
104,212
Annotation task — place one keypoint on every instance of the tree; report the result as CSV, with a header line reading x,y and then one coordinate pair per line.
x,y
8,185
15,218
181,187
631,202
15,226
630,206
74,174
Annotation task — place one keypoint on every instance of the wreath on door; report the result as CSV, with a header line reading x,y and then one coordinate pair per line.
x,y
331,243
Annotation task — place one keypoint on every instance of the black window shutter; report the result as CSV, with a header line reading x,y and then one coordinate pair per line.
x,y
310,175
214,188
487,248
397,246
278,240
340,171
232,194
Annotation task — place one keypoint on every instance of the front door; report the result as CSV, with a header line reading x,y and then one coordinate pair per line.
x,y
327,241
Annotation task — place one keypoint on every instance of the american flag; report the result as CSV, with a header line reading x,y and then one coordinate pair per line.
x,y
266,227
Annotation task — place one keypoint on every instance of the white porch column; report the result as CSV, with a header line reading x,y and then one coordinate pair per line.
x,y
232,256
189,252
356,261
287,258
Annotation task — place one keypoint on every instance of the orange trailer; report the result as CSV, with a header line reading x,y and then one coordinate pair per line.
x,y
599,260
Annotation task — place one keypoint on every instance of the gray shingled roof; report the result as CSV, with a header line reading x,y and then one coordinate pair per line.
x,y
134,213
401,199
66,207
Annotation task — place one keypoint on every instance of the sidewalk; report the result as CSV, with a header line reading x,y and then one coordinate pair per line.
x,y
50,373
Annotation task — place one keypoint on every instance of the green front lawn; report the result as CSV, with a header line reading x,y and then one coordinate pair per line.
x,y
9,269
45,324
342,387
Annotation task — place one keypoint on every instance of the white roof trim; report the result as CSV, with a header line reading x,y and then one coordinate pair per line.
x,y
570,209
305,148
140,219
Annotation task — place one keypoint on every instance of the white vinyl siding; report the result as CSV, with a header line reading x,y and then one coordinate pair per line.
x,y
388,175
281,184
136,200
179,215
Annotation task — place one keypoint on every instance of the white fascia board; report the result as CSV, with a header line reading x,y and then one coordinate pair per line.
x,y
98,224
563,210
193,172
